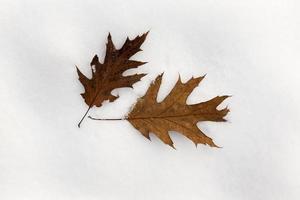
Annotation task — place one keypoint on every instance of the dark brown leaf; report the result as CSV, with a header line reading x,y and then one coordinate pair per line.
x,y
107,76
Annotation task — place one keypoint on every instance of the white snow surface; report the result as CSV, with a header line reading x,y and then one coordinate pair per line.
x,y
248,49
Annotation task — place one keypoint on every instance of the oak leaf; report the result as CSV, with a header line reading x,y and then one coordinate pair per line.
x,y
107,76
173,114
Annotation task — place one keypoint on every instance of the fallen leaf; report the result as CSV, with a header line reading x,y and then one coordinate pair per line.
x,y
173,114
107,76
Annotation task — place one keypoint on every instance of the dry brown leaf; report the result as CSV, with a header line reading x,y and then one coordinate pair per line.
x,y
173,114
107,76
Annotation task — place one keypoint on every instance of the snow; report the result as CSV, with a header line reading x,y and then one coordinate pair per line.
x,y
248,49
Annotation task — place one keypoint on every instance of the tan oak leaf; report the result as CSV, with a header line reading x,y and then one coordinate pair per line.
x,y
173,114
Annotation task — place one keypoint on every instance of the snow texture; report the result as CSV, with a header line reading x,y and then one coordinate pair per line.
x,y
248,49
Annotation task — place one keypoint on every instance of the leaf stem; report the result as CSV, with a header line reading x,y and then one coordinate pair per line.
x,y
84,116
108,119
90,106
